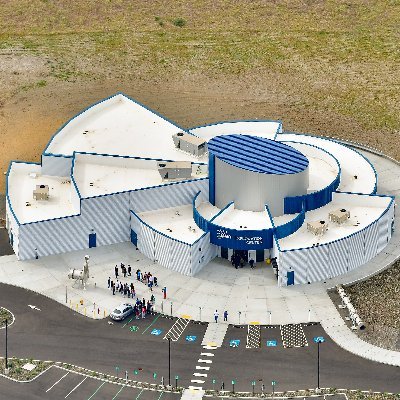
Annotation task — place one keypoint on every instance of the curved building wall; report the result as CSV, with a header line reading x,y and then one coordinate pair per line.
x,y
250,191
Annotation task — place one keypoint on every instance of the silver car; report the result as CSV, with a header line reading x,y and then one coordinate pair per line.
x,y
121,312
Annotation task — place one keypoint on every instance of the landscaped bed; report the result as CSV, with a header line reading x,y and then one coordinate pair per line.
x,y
17,371
5,315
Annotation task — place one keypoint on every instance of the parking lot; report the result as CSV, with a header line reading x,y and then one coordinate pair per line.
x,y
57,383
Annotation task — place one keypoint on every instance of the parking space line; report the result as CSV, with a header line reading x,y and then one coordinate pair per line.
x,y
139,394
79,384
155,319
51,387
119,391
97,390
127,323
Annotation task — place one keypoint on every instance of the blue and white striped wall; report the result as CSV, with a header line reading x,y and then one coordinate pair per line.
x,y
328,260
185,258
107,216
166,196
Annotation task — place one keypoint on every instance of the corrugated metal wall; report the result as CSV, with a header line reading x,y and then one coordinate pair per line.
x,y
56,166
175,255
107,216
167,196
325,261
12,227
202,253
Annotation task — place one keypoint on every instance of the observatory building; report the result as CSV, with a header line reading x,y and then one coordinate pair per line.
x,y
120,172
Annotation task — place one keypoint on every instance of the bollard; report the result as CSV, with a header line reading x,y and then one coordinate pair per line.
x,y
104,313
70,304
171,308
309,315
76,306
162,307
85,311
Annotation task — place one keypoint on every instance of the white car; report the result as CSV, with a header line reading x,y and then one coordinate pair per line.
x,y
121,312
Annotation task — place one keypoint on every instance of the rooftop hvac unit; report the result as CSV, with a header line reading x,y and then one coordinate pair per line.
x,y
190,144
41,192
317,227
176,170
339,216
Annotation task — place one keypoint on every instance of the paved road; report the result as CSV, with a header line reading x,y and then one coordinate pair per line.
x,y
57,333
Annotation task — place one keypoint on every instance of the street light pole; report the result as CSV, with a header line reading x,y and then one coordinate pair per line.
x,y
6,370
169,361
318,340
318,365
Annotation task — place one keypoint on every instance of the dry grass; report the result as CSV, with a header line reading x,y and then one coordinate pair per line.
x,y
377,300
339,56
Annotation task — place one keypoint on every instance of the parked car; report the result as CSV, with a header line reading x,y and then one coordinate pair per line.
x,y
121,312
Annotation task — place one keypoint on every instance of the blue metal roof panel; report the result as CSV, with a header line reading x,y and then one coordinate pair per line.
x,y
258,154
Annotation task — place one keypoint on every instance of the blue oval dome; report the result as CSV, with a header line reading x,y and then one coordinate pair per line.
x,y
258,154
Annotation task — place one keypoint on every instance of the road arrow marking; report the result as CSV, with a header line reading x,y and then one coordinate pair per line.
x,y
33,307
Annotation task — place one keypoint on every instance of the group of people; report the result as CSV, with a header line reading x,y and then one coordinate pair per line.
x,y
237,260
122,288
128,290
141,308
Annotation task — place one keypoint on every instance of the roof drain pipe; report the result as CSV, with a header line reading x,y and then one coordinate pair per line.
x,y
353,315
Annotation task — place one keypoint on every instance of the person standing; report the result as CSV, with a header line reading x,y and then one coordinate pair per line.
x,y
129,270
116,272
109,282
113,288
226,316
216,315
251,262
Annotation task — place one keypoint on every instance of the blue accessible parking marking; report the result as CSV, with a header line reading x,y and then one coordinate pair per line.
x,y
319,339
271,343
156,332
191,338
234,343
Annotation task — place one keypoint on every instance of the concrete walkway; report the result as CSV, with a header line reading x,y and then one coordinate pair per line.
x,y
248,295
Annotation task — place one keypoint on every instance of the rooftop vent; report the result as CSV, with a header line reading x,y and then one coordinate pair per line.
x,y
41,192
339,216
317,227
190,144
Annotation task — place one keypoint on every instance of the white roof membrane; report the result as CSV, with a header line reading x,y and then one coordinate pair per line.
x,y
119,126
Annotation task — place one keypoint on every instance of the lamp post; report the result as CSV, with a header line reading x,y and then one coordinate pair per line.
x,y
169,361
318,340
6,369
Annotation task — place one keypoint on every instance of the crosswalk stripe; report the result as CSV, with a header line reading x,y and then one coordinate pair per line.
x,y
198,374
196,387
197,381
205,368
207,354
200,360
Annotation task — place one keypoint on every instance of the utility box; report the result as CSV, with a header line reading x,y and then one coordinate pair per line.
x,y
190,144
317,228
176,170
339,216
41,192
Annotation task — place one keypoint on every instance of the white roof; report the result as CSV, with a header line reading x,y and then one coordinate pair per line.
x,y
246,220
364,210
21,185
351,163
167,221
97,175
119,126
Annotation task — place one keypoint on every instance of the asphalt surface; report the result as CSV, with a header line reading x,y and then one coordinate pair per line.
x,y
59,334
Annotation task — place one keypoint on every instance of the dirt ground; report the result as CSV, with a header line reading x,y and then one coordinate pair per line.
x,y
29,117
